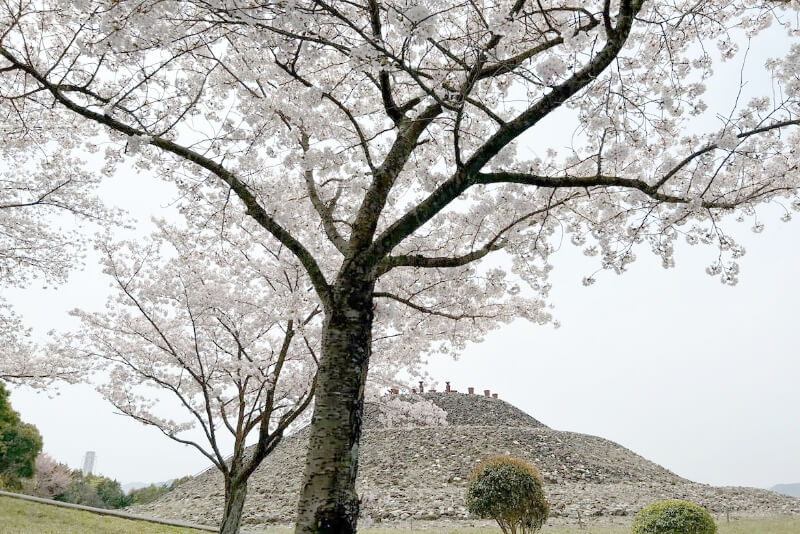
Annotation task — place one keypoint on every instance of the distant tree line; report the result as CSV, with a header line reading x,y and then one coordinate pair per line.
x,y
53,480
25,469
154,491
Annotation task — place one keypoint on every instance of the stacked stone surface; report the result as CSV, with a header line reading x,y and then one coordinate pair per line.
x,y
462,410
421,472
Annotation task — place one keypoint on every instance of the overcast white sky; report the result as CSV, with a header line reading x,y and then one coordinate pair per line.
x,y
701,378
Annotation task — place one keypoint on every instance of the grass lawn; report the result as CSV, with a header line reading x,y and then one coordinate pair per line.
x,y
23,517
782,525
777,525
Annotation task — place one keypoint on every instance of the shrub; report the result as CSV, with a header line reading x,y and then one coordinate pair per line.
x,y
111,493
81,492
94,490
673,517
508,490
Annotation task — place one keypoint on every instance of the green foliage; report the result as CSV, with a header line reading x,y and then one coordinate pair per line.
x,y
154,491
148,493
673,517
103,492
508,490
80,492
94,490
24,517
20,443
111,494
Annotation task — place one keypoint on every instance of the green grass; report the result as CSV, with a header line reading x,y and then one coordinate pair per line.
x,y
24,517
786,525
781,525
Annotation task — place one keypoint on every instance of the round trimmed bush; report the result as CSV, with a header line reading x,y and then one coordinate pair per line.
x,y
508,490
673,517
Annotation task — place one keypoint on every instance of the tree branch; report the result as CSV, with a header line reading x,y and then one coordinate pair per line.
x,y
418,260
253,208
495,243
423,309
324,211
384,177
466,177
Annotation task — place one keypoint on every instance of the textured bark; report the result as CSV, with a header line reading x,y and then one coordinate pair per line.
x,y
235,493
328,501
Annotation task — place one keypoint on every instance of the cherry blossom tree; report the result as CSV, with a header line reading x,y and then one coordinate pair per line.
x,y
50,479
46,196
394,147
218,330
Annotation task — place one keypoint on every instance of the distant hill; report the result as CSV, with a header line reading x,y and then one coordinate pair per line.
x,y
793,490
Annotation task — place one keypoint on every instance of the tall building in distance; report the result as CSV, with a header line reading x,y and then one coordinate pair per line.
x,y
88,462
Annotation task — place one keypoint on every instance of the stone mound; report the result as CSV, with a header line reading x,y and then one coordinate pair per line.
x,y
462,409
421,472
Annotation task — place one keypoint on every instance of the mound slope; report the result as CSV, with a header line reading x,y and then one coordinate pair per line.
x,y
421,472
462,410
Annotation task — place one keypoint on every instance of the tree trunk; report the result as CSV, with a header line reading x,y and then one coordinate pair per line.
x,y
328,501
235,493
